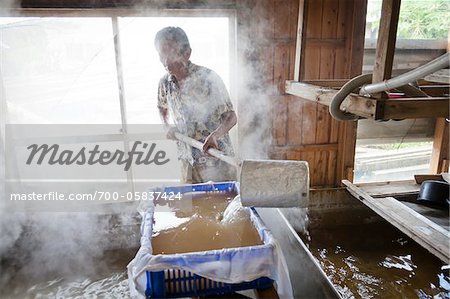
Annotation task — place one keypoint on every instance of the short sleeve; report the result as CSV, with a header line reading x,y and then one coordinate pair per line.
x,y
220,94
162,95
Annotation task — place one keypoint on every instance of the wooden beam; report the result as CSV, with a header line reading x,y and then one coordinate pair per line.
x,y
361,106
441,76
384,55
428,234
412,108
420,178
440,146
372,108
390,188
331,83
347,142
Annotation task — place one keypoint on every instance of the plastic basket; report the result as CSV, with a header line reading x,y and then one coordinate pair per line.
x,y
180,283
173,283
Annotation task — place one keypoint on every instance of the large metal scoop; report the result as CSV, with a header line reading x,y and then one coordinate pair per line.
x,y
266,183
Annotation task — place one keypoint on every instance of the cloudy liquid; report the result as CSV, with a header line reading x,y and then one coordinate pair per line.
x,y
378,261
211,220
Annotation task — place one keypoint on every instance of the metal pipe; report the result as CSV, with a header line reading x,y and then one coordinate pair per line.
x,y
403,79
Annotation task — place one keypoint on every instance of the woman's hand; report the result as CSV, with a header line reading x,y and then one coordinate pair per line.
x,y
170,132
210,142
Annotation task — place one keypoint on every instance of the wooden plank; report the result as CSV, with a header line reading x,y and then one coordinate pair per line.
x,y
309,123
440,145
321,167
331,171
291,155
264,10
420,178
282,17
441,76
311,64
384,55
279,120
310,157
323,124
329,27
356,38
412,108
314,28
346,150
343,32
440,217
371,108
294,120
359,105
331,83
422,230
293,19
299,46
281,67
435,90
274,155
390,189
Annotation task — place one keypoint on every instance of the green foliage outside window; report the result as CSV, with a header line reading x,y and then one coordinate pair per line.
x,y
423,19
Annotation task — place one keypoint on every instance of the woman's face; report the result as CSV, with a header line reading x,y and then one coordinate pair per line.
x,y
173,58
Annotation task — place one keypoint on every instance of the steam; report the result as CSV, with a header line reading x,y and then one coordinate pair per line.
x,y
68,243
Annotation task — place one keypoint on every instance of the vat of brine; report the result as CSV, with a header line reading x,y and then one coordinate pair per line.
x,y
206,272
363,255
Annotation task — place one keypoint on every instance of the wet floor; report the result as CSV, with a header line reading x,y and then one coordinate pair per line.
x,y
376,260
108,281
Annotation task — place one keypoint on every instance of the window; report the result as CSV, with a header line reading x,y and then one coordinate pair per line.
x,y
62,70
396,150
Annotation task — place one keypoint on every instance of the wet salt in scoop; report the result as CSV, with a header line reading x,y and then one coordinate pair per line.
x,y
266,183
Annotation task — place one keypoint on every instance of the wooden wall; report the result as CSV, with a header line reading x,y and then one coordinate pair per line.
x,y
332,48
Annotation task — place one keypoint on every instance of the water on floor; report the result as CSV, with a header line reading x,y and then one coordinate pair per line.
x,y
376,260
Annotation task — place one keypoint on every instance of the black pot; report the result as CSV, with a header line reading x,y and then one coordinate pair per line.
x,y
434,194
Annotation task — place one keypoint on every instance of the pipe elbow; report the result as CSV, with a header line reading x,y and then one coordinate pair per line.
x,y
339,97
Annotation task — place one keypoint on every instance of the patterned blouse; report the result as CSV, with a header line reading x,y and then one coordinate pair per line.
x,y
196,109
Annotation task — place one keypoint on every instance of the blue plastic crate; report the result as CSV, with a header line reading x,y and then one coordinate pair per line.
x,y
226,186
175,283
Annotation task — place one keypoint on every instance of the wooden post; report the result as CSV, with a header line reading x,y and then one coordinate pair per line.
x,y
384,55
439,156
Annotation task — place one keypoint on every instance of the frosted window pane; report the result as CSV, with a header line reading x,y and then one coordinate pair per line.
x,y
59,70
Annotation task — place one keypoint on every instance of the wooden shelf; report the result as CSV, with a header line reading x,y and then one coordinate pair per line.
x,y
376,109
430,235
